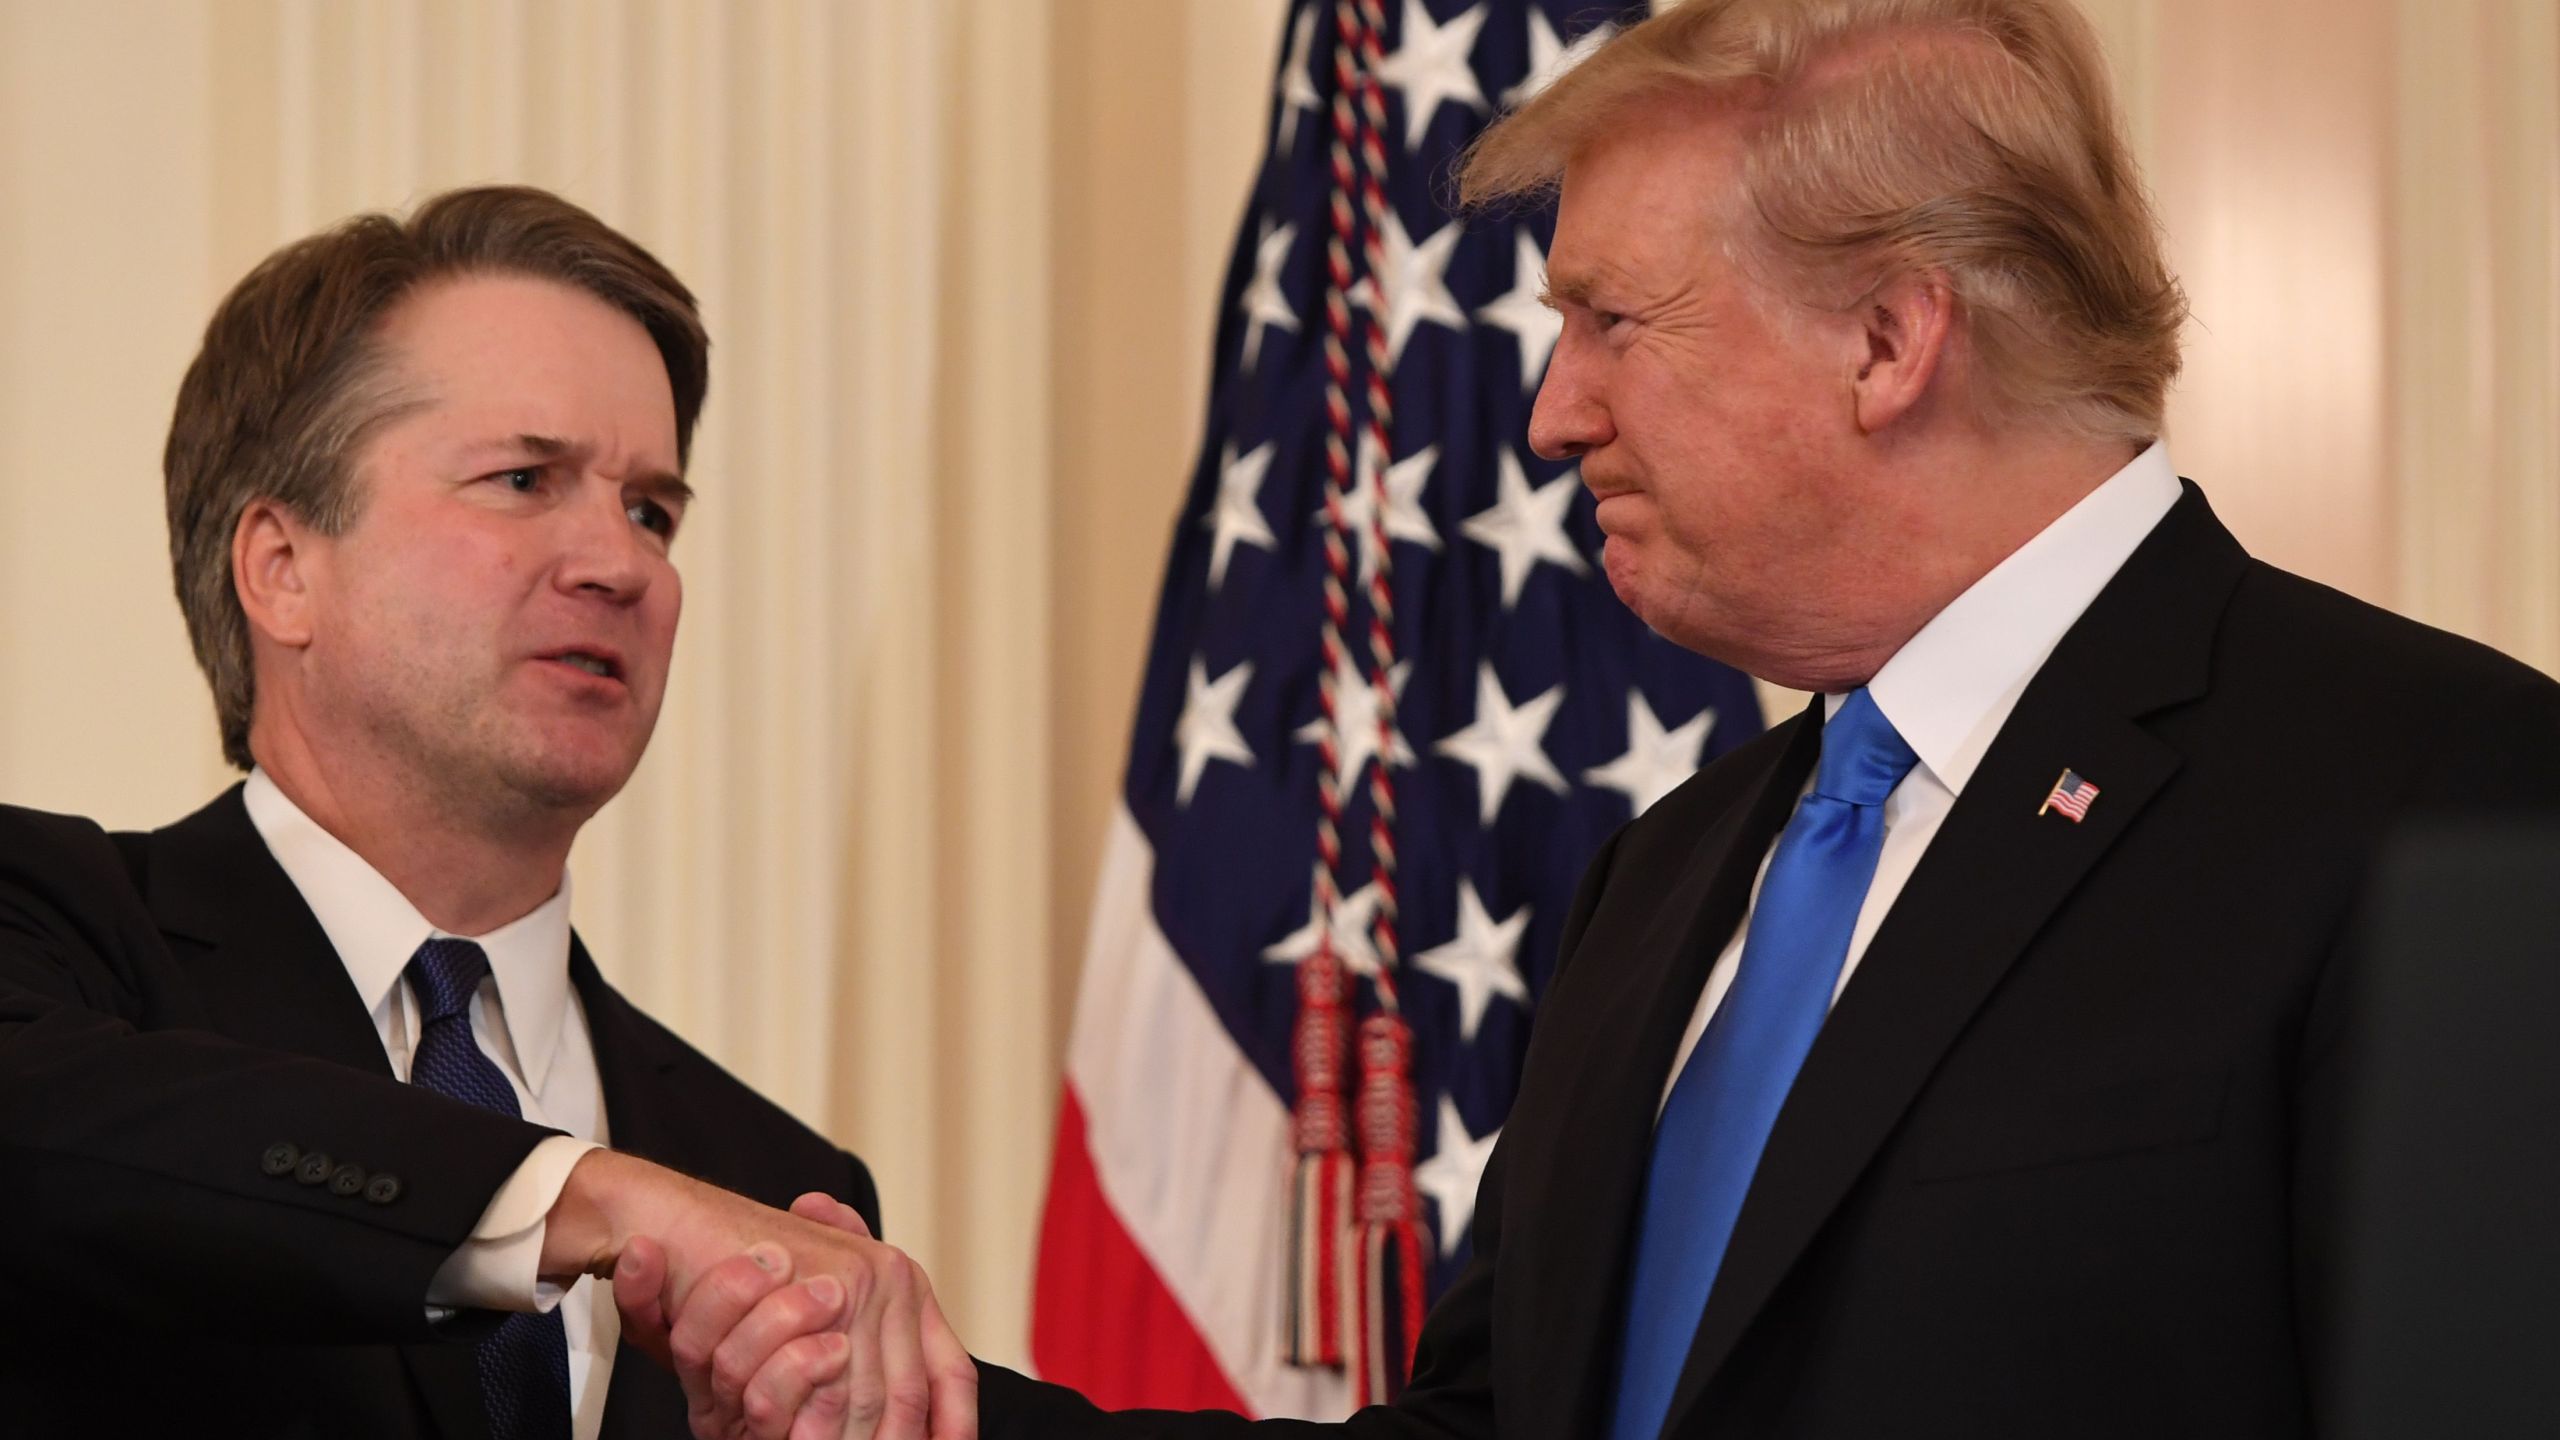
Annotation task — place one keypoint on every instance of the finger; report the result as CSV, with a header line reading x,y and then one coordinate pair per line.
x,y
720,1298
828,1210
951,1372
639,1292
866,1369
906,1388
779,1401
790,1314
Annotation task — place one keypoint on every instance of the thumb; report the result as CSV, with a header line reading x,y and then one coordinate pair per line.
x,y
829,1211
639,1292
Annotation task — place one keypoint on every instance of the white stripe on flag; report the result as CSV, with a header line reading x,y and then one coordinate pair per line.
x,y
1189,1143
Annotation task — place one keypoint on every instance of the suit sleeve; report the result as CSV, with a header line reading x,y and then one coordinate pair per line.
x,y
1451,1397
2501,759
146,1177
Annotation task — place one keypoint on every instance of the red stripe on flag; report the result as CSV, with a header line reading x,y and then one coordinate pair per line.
x,y
1150,1354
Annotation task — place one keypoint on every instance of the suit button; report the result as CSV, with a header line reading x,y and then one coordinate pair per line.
x,y
382,1189
347,1181
315,1168
280,1158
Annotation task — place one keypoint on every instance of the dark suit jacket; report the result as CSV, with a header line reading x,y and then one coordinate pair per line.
x,y
2057,1161
170,1010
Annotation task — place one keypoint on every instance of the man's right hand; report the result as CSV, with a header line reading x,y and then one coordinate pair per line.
x,y
856,1348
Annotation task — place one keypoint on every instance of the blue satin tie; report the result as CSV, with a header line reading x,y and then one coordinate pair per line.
x,y
524,1367
1726,1100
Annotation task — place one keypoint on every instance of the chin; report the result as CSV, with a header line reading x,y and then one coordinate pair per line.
x,y
572,778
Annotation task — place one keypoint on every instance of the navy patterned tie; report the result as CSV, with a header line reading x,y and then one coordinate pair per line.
x,y
524,1368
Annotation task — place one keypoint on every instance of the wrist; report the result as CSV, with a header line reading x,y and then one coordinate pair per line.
x,y
584,1231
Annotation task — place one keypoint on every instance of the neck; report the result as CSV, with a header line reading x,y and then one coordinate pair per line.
x,y
1967,509
467,869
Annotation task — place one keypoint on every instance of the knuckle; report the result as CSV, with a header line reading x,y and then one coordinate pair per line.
x,y
909,1400
865,1401
730,1373
858,1286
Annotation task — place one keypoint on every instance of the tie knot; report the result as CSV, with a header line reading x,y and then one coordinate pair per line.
x,y
1863,757
445,973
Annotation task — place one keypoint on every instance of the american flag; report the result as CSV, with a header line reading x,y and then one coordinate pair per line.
x,y
2071,795
1371,570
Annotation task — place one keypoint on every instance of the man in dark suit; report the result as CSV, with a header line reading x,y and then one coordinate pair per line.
x,y
1963,1057
423,481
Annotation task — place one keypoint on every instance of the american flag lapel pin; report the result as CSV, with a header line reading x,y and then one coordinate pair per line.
x,y
2070,797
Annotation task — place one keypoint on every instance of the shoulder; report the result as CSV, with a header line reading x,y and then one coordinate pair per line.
x,y
54,867
2352,665
2345,644
2427,715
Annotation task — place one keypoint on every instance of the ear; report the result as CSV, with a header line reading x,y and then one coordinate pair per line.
x,y
1904,329
271,552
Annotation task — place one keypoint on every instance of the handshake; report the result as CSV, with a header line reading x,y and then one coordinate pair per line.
x,y
794,1326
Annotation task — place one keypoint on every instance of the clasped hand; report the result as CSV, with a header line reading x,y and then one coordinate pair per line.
x,y
794,1326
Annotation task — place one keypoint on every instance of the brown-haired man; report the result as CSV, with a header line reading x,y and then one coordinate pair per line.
x,y
1963,1058
423,480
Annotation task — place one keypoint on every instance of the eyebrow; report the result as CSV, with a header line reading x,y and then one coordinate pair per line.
x,y
660,484
1569,290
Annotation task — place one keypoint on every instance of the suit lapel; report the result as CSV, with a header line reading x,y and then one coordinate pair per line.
x,y
1623,1049
631,1066
1992,876
269,977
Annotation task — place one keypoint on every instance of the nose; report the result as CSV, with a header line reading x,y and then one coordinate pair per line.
x,y
603,553
1570,420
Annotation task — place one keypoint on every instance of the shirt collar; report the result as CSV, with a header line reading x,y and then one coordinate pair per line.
x,y
1949,689
375,929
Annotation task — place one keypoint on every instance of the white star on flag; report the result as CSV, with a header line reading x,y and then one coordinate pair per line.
x,y
1531,321
1355,701
1656,760
1483,961
1431,66
1264,302
1526,526
1550,57
1207,729
1503,742
1454,1173
1297,86
1238,512
1353,915
1415,279
1406,519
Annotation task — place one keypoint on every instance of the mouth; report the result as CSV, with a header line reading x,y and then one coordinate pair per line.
x,y
603,664
1604,487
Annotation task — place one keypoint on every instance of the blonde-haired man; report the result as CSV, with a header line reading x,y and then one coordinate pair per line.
x,y
1962,1058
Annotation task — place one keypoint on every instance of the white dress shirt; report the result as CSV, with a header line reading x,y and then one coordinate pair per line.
x,y
1950,688
527,1020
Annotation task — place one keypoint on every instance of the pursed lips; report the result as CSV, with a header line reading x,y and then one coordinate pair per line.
x,y
1602,492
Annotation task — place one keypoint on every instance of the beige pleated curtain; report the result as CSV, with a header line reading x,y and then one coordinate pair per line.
x,y
960,263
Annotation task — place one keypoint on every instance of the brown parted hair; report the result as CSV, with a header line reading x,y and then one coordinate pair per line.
x,y
1977,139
293,377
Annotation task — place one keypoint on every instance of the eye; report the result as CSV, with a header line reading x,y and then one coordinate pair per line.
x,y
524,479
653,517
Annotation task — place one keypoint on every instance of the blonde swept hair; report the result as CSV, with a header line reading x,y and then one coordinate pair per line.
x,y
1977,139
